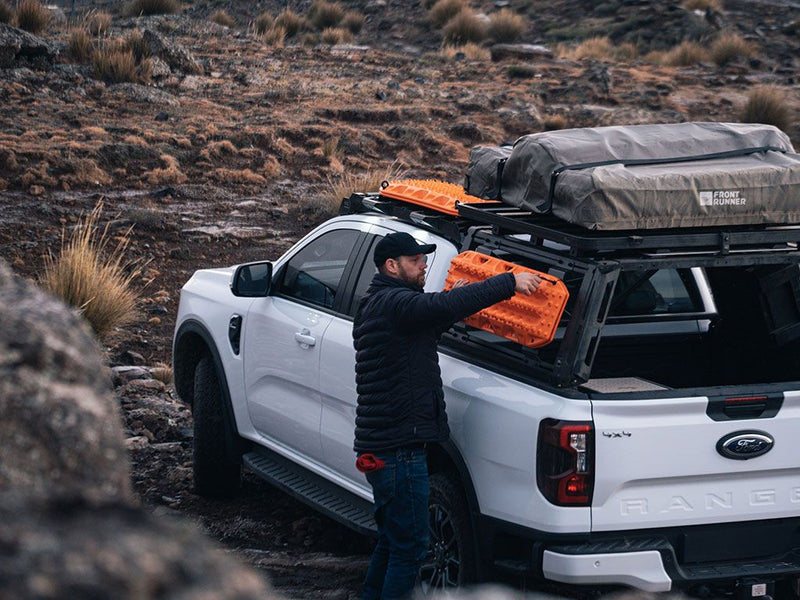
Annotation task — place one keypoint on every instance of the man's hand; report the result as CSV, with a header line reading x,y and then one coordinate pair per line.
x,y
460,283
526,283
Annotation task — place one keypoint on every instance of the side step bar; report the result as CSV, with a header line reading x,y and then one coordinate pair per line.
x,y
342,506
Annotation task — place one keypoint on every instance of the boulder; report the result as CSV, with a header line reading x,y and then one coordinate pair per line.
x,y
61,427
70,526
519,51
178,58
16,44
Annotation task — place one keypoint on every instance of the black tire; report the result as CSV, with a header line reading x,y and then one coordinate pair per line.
x,y
217,470
451,560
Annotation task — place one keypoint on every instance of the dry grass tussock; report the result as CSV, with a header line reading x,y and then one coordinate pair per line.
x,y
685,54
702,5
729,47
221,17
263,23
93,276
444,10
137,8
163,373
98,22
768,104
290,22
79,45
506,26
6,13
466,27
324,14
336,35
346,184
468,51
32,16
113,63
601,48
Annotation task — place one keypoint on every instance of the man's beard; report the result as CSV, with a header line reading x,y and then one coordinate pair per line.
x,y
418,281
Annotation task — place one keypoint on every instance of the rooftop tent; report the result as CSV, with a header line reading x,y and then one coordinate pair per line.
x,y
649,176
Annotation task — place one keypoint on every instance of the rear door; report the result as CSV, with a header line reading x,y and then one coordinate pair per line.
x,y
690,460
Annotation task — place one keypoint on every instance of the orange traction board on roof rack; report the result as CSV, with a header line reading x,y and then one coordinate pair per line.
x,y
528,320
436,195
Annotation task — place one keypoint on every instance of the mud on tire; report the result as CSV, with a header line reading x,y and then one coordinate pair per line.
x,y
217,470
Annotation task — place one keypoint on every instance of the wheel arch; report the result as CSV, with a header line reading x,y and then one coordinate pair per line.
x,y
446,457
192,343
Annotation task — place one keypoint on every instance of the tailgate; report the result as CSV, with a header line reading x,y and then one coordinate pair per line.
x,y
658,464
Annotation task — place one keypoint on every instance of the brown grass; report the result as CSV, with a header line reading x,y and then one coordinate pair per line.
x,y
554,122
702,5
93,275
506,26
768,104
600,48
98,22
6,13
136,43
468,51
170,174
162,372
324,14
290,22
221,17
444,10
115,63
245,176
263,23
336,35
729,47
353,22
341,187
685,54
79,45
274,36
137,8
218,149
32,16
466,27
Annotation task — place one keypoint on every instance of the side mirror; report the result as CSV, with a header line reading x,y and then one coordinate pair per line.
x,y
252,280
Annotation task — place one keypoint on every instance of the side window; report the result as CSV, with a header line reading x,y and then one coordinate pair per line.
x,y
666,291
314,273
368,270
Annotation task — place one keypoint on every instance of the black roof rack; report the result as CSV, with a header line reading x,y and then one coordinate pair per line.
x,y
505,219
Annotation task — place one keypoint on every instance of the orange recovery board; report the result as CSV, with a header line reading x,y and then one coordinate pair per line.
x,y
440,196
528,320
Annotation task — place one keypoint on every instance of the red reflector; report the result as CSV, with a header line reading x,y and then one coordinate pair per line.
x,y
747,399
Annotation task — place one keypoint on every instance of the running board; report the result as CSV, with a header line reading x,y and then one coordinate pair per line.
x,y
342,506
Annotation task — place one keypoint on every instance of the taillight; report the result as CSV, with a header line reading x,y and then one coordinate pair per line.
x,y
565,462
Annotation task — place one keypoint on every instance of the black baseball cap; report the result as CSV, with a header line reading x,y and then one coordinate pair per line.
x,y
399,244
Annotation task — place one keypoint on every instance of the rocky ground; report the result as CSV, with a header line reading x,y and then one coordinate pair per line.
x,y
229,152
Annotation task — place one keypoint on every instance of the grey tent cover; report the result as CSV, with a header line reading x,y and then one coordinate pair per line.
x,y
648,176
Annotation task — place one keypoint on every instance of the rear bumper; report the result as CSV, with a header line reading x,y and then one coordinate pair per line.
x,y
653,560
642,570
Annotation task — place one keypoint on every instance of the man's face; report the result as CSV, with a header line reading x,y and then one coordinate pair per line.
x,y
411,269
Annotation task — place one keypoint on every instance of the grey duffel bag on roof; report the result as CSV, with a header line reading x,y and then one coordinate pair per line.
x,y
656,176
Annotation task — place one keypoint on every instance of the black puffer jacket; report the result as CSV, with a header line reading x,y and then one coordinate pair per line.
x,y
395,333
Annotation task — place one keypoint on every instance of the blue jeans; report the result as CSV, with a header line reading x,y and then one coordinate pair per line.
x,y
400,490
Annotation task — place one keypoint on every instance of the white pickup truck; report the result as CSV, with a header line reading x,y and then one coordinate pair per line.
x,y
650,445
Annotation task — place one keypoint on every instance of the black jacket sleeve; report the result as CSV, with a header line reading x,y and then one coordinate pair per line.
x,y
440,309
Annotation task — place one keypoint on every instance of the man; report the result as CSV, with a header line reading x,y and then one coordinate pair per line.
x,y
400,399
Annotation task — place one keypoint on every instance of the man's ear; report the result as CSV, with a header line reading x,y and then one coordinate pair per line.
x,y
391,266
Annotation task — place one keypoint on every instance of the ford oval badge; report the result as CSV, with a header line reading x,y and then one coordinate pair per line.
x,y
741,445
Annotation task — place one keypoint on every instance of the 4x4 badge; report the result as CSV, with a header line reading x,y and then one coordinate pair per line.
x,y
741,445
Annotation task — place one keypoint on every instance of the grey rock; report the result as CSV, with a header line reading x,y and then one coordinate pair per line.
x,y
57,549
125,374
61,427
16,44
519,51
144,93
177,57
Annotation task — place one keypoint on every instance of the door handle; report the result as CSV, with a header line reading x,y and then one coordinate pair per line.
x,y
304,337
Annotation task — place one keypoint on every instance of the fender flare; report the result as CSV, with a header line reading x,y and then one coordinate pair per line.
x,y
184,379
